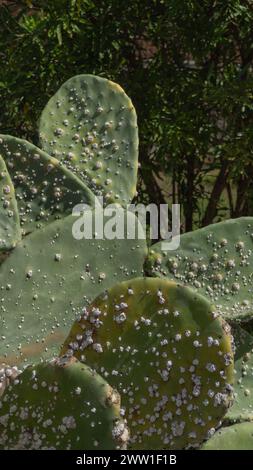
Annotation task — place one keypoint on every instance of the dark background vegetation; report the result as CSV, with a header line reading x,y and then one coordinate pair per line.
x,y
187,65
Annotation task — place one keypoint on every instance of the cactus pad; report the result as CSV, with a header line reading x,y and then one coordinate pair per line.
x,y
217,260
236,437
47,280
242,409
167,353
61,405
90,124
45,189
10,232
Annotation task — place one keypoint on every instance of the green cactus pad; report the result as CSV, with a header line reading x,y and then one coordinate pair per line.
x,y
236,437
47,280
217,260
167,353
61,405
10,232
45,189
90,124
242,409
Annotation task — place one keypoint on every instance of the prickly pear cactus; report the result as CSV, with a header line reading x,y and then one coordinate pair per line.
x,y
242,409
61,405
7,376
47,280
45,190
217,261
168,354
236,437
10,232
90,124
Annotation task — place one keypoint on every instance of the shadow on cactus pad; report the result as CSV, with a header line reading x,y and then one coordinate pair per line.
x,y
242,409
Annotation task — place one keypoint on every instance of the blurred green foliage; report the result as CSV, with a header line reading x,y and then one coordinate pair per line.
x,y
187,65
